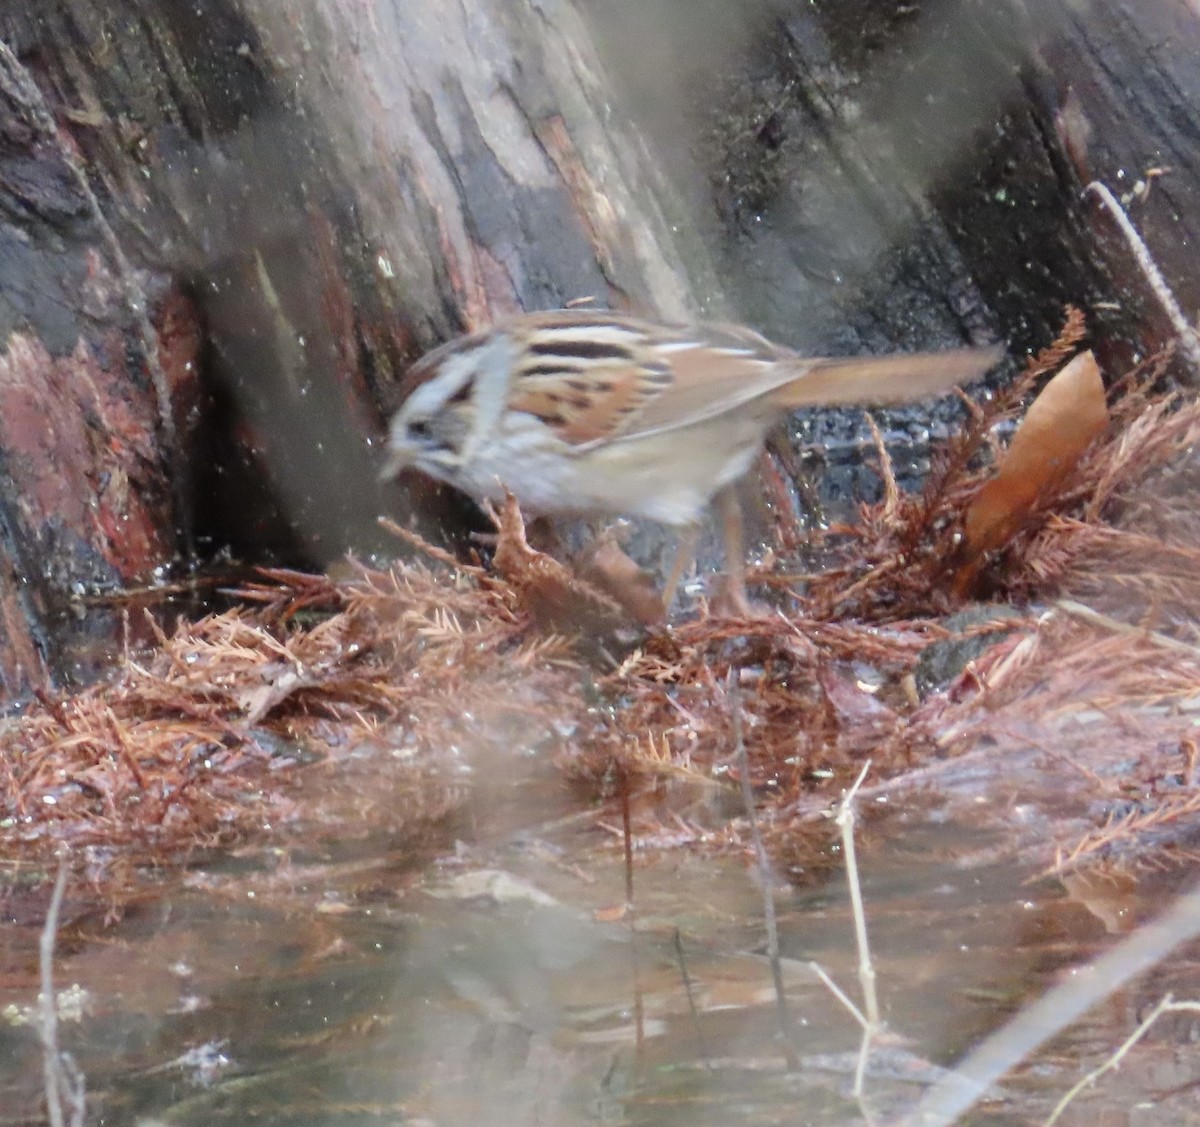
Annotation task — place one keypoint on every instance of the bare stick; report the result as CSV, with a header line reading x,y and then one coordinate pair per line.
x,y
866,969
61,1077
765,875
1095,618
1188,336
868,1022
838,993
957,1093
639,1006
1165,1005
626,834
691,1000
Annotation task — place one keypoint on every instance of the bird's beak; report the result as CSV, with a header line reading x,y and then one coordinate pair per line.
x,y
398,459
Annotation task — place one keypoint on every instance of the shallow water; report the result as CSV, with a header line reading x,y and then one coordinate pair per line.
x,y
490,977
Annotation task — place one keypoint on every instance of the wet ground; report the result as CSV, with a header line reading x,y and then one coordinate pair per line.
x,y
489,975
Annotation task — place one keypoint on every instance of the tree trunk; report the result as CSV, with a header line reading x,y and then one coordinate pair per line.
x,y
305,196
93,401
321,191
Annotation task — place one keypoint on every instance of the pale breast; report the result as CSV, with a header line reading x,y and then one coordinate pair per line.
x,y
668,477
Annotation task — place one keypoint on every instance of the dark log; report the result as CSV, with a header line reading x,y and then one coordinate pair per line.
x,y
875,174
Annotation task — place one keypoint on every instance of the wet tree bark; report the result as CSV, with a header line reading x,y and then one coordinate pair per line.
x,y
96,367
303,196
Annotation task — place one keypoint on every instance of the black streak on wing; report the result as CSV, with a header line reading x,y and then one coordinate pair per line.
x,y
545,368
580,349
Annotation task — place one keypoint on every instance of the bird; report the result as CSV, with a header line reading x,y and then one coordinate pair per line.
x,y
591,413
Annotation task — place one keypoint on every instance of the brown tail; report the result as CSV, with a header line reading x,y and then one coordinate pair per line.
x,y
899,378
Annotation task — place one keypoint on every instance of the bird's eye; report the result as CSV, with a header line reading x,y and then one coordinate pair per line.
x,y
419,428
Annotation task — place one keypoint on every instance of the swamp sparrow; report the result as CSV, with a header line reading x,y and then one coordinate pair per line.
x,y
590,413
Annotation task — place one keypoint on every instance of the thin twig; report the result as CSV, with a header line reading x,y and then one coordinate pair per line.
x,y
626,834
60,1075
691,999
869,1022
1165,1005
957,1093
765,875
1188,336
416,540
838,993
866,969
887,472
1095,618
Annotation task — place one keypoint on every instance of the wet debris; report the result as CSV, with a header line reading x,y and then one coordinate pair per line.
x,y
1074,542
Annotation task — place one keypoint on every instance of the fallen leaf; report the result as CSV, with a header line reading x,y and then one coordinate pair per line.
x,y
611,914
1059,426
606,566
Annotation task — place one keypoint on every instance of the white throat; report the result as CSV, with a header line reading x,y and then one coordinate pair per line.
x,y
491,364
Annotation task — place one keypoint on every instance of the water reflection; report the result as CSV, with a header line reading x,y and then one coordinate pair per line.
x,y
496,987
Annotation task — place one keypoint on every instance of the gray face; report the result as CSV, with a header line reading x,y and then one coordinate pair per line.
x,y
429,441
460,392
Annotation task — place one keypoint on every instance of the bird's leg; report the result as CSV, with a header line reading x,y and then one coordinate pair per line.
x,y
685,551
729,509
